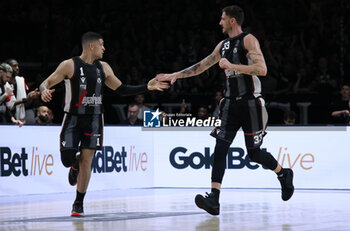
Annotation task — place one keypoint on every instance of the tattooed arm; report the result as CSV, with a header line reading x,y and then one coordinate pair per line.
x,y
195,69
254,56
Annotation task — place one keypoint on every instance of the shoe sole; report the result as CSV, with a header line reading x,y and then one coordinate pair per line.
x,y
287,198
199,200
77,214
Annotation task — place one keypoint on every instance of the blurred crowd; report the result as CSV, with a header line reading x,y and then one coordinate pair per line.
x,y
305,44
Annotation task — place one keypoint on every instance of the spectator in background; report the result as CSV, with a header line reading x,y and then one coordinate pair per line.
x,y
289,118
285,81
341,106
6,92
20,99
133,111
183,107
326,82
202,112
31,112
215,107
184,111
313,35
42,115
139,100
50,116
304,83
134,77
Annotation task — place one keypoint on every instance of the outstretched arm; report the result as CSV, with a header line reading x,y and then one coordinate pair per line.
x,y
340,113
64,69
195,69
254,55
18,122
115,84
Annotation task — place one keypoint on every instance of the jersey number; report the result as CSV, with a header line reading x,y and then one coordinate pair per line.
x,y
257,138
81,72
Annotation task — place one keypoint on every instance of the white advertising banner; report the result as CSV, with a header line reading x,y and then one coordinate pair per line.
x,y
134,157
30,161
126,160
319,157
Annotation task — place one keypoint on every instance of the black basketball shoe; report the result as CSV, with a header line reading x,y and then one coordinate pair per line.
x,y
78,210
286,180
73,176
208,203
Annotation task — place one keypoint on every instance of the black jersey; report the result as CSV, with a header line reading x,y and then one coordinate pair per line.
x,y
238,84
84,90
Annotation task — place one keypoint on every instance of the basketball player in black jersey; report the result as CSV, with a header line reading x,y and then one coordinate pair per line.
x,y
242,60
82,127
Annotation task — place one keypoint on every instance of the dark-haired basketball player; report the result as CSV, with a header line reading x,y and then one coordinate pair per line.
x,y
82,127
242,60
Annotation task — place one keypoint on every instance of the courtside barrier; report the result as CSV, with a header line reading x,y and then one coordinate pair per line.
x,y
134,157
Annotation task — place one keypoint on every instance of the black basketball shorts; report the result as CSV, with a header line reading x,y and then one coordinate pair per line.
x,y
81,131
249,114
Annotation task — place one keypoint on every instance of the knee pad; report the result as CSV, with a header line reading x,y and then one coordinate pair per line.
x,y
68,157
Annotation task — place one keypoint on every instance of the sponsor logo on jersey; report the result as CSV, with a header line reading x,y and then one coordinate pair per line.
x,y
231,74
89,100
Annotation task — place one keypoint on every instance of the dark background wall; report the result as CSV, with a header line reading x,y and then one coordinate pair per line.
x,y
147,37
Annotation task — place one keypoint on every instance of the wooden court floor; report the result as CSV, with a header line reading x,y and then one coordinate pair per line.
x,y
174,209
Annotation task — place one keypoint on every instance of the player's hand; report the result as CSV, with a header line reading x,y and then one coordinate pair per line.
x,y
33,94
8,90
225,64
154,84
167,77
345,112
19,123
46,95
